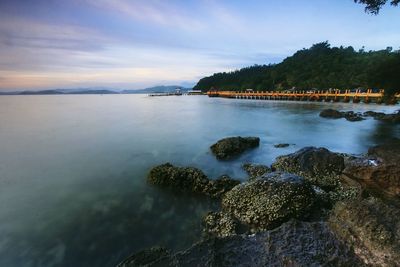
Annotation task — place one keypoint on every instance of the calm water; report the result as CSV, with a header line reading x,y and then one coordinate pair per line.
x,y
73,168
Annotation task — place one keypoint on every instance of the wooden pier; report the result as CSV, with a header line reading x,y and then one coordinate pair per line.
x,y
327,96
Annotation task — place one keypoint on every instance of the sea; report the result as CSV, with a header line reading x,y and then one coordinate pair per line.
x,y
73,168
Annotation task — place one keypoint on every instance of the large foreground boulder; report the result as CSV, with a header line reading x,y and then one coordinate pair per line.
x,y
371,227
292,244
319,166
268,201
189,179
233,146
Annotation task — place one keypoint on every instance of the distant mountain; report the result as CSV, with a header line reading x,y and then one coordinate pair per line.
x,y
85,91
99,90
156,89
93,92
43,92
9,93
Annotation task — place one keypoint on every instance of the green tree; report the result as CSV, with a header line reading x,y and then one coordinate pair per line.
x,y
373,6
321,66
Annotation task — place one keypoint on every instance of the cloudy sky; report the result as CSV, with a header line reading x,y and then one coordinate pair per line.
x,y
135,44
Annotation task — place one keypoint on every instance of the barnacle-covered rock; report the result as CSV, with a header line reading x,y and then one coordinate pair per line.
x,y
319,166
270,200
220,224
255,170
189,179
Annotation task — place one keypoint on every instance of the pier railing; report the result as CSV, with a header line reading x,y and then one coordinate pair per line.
x,y
328,95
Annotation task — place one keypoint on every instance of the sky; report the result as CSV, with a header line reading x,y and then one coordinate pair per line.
x,y
129,44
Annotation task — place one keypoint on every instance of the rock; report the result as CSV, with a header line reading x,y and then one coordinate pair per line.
x,y
375,177
375,115
394,117
268,201
371,227
281,145
335,114
389,152
352,116
219,224
255,170
219,187
379,172
156,256
331,113
189,179
292,244
319,166
233,146
183,179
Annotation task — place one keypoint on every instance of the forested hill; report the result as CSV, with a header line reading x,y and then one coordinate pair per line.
x,y
320,66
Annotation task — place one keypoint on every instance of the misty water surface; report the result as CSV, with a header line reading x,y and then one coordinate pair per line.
x,y
73,168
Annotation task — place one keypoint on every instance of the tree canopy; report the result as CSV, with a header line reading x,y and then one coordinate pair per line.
x,y
318,67
373,6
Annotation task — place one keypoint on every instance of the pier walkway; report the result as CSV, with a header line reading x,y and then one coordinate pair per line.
x,y
327,96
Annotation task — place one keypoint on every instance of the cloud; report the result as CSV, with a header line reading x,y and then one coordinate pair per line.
x,y
162,13
19,32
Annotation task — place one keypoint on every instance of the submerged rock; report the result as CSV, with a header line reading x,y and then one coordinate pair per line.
x,y
331,113
394,117
255,170
375,115
319,166
292,244
356,116
352,116
371,227
335,114
233,146
189,179
268,201
281,145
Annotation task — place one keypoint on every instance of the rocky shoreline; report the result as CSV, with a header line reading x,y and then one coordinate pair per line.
x,y
358,116
313,207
